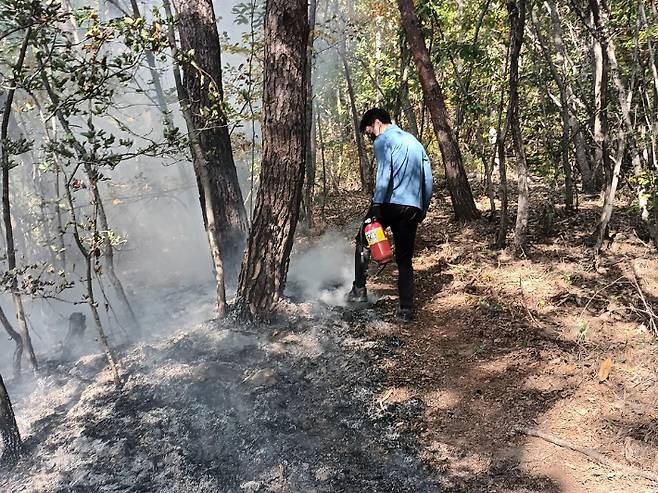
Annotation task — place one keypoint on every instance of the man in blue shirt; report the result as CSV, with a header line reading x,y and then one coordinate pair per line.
x,y
403,189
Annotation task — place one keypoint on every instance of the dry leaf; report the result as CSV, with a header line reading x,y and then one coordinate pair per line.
x,y
604,371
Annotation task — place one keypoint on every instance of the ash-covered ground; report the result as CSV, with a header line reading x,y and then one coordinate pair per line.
x,y
220,407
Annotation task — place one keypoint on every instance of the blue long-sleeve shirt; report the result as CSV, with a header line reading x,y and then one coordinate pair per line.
x,y
404,173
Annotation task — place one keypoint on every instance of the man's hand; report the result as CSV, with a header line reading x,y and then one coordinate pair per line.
x,y
420,216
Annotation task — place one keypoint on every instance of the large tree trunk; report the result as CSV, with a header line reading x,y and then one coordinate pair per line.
x,y
6,212
265,266
458,186
198,31
11,437
516,13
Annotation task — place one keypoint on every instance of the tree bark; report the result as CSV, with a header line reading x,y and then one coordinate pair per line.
x,y
6,211
11,438
198,31
516,12
460,191
265,266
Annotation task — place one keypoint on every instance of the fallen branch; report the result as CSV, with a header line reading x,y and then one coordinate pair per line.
x,y
648,310
591,454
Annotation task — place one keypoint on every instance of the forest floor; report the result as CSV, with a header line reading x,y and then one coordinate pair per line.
x,y
554,342
343,399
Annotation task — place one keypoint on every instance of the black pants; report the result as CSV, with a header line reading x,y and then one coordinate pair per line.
x,y
403,222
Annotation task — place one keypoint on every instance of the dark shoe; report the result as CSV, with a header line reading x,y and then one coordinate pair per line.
x,y
357,295
405,315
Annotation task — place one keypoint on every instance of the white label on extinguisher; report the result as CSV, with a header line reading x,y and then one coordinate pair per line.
x,y
375,236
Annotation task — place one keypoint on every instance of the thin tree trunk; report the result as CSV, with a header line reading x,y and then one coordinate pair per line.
x,y
627,138
265,266
403,102
516,13
609,202
600,126
203,86
458,186
560,80
6,212
499,150
201,167
324,164
18,352
160,98
310,127
11,437
108,249
575,128
365,173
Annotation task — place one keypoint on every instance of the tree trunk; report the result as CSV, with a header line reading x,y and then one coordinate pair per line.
x,y
87,252
458,186
160,98
365,173
600,127
265,266
18,352
499,150
575,128
108,249
11,437
403,103
324,163
562,82
627,135
310,127
201,168
198,31
516,13
6,212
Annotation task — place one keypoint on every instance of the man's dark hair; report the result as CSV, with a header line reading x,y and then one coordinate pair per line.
x,y
371,115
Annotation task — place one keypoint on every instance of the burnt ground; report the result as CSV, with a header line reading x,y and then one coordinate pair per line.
x,y
332,399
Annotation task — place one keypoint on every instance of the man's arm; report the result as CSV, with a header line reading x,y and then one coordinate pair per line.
x,y
427,182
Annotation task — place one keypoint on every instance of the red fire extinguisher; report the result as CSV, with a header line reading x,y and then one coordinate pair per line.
x,y
377,241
